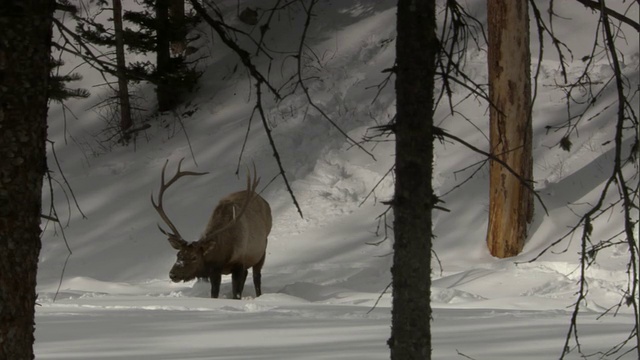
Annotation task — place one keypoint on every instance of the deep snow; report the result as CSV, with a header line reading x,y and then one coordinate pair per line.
x,y
322,275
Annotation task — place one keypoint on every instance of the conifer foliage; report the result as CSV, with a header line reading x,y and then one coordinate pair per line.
x,y
153,29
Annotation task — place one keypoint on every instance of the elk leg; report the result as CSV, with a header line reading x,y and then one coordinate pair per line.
x,y
257,275
238,277
215,278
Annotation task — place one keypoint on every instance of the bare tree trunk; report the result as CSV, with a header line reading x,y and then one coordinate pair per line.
x,y
164,93
416,51
25,52
179,32
510,202
123,84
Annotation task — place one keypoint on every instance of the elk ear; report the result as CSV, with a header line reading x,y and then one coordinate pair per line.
x,y
177,243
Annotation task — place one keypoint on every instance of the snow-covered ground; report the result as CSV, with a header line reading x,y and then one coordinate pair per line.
x,y
322,275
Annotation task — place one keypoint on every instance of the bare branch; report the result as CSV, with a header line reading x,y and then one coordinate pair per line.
x,y
244,55
221,29
594,5
305,89
276,155
526,183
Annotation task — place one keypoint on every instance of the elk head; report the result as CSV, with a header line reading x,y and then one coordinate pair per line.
x,y
190,263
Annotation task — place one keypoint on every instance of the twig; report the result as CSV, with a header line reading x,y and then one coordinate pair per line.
x,y
64,237
186,135
66,182
379,298
276,155
525,182
377,184
595,5
260,79
305,89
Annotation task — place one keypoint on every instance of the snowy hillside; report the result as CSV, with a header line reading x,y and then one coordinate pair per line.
x,y
323,274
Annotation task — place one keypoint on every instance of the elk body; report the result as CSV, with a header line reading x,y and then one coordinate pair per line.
x,y
234,240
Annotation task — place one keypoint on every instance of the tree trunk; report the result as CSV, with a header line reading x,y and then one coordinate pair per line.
x,y
178,27
123,84
25,52
510,202
416,51
164,93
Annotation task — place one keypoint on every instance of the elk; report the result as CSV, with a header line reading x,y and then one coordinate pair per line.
x,y
234,240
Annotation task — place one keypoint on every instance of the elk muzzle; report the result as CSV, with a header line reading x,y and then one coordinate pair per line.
x,y
180,272
173,276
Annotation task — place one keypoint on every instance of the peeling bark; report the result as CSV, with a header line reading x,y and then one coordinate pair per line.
x,y
510,203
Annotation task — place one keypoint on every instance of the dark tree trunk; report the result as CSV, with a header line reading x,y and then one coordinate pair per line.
x,y
416,51
25,48
510,202
164,93
178,27
123,84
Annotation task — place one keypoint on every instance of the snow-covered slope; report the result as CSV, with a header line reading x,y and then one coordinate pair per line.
x,y
322,274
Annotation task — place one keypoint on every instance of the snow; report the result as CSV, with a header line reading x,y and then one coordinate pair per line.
x,y
323,280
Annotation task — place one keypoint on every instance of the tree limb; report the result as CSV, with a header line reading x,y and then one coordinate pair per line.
x,y
438,132
594,5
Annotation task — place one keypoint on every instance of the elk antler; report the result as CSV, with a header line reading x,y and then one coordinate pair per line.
x,y
252,185
251,189
163,187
